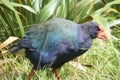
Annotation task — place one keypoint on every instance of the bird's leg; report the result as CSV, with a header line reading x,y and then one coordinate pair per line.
x,y
31,74
56,74
75,73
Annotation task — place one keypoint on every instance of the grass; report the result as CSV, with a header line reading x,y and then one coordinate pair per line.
x,y
105,65
104,60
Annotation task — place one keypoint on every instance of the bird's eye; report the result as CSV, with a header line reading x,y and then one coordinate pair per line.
x,y
97,28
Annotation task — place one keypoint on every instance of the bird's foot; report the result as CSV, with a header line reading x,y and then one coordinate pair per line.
x,y
59,78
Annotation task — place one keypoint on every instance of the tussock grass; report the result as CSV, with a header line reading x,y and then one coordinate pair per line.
x,y
105,65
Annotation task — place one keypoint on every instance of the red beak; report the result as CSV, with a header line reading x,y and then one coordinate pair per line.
x,y
102,34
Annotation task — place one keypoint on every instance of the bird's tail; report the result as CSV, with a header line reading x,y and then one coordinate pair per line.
x,y
15,48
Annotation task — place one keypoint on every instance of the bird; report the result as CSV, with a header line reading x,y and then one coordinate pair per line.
x,y
57,41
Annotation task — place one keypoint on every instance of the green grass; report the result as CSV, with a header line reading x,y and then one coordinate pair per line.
x,y
103,58
105,66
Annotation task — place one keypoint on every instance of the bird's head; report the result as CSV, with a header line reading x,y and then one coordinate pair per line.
x,y
95,31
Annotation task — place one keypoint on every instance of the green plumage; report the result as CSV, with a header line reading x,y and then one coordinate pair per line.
x,y
46,36
57,41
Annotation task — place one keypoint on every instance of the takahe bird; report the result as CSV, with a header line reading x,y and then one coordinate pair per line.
x,y
57,41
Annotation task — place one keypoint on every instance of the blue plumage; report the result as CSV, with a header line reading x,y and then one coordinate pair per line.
x,y
57,41
43,39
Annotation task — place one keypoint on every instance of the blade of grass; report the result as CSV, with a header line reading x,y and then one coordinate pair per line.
x,y
8,20
114,22
107,7
5,25
11,7
47,10
62,9
24,6
20,24
37,4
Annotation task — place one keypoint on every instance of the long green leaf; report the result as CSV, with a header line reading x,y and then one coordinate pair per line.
x,y
4,25
24,6
10,5
47,10
8,20
84,6
7,3
37,4
20,24
107,6
114,22
62,10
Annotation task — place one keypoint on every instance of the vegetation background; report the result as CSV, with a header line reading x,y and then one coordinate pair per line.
x,y
103,58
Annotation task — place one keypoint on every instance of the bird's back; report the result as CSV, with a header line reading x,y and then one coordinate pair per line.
x,y
46,36
46,39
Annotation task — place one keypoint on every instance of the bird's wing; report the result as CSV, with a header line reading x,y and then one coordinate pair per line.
x,y
44,37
